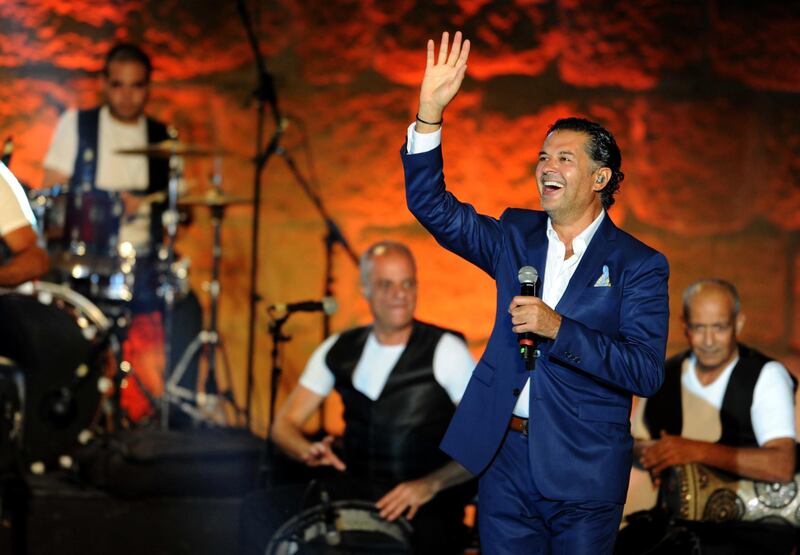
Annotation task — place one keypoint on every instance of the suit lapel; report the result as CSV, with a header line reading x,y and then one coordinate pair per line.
x,y
590,266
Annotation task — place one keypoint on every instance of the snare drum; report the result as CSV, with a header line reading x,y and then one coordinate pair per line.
x,y
352,527
58,339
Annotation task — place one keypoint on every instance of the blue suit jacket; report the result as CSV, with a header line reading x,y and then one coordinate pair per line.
x,y
610,345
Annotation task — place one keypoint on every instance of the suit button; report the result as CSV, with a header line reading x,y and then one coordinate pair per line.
x,y
516,392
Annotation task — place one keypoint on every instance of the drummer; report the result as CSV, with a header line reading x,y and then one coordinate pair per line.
x,y
84,152
21,258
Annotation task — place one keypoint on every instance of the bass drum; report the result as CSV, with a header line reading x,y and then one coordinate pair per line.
x,y
58,339
342,527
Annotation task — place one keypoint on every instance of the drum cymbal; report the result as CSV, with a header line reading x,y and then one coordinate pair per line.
x,y
171,147
211,197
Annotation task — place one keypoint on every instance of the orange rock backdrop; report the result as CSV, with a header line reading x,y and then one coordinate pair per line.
x,y
704,98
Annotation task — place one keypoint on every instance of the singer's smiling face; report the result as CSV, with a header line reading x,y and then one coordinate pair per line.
x,y
566,178
391,290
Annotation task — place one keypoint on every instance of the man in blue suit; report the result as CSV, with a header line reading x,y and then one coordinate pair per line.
x,y
552,445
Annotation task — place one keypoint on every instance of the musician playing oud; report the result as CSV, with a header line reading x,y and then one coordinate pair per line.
x,y
722,404
84,153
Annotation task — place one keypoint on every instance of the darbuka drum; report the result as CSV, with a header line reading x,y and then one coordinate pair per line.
x,y
58,340
698,492
351,527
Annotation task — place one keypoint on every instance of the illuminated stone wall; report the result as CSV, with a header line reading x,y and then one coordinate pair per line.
x,y
702,96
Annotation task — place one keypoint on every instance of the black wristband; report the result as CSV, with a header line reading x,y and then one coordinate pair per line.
x,y
419,119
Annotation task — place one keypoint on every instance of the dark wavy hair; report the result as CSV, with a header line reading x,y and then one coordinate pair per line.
x,y
601,148
126,52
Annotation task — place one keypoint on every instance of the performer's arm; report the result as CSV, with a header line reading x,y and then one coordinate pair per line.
x,y
29,261
54,177
287,431
772,462
633,360
407,497
452,367
772,417
456,226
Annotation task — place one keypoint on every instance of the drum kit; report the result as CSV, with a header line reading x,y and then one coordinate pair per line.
x,y
85,309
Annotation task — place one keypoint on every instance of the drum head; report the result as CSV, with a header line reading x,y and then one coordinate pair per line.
x,y
60,366
344,527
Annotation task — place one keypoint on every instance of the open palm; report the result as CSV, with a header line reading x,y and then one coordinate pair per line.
x,y
443,76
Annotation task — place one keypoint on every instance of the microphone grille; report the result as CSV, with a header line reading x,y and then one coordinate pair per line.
x,y
528,274
329,305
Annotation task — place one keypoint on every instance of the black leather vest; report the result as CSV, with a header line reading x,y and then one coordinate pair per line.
x,y
396,437
664,411
85,169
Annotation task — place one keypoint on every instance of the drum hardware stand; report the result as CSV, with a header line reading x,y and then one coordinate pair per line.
x,y
209,340
264,93
170,220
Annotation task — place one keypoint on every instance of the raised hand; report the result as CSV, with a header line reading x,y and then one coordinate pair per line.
x,y
443,77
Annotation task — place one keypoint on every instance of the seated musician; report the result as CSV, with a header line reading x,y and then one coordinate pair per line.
x,y
84,153
21,258
722,404
399,380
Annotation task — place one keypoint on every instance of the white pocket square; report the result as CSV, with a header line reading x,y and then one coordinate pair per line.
x,y
603,280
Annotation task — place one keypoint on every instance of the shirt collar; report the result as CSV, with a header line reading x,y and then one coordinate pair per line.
x,y
728,368
583,239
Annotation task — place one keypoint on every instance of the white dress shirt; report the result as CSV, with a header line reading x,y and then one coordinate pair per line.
x,y
557,274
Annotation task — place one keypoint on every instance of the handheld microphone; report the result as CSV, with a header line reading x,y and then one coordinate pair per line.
x,y
527,276
327,305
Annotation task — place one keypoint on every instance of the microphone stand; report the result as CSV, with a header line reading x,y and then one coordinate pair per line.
x,y
268,455
264,93
333,235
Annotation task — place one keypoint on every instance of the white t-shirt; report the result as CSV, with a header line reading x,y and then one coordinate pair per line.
x,y
15,211
115,172
452,367
772,410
